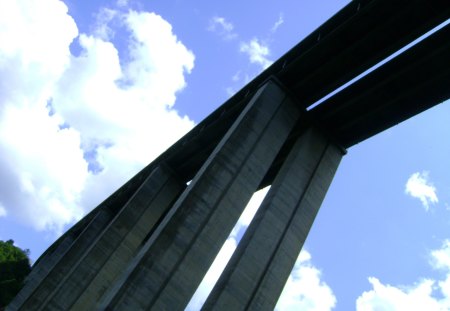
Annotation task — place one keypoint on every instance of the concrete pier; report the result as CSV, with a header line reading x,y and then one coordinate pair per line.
x,y
89,274
264,258
50,271
177,256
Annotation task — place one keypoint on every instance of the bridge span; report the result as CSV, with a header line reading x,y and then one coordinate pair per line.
x,y
149,244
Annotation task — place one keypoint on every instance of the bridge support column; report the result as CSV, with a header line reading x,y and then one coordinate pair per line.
x,y
49,272
264,258
111,250
169,268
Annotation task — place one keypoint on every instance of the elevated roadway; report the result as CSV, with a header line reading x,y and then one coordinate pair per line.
x,y
358,37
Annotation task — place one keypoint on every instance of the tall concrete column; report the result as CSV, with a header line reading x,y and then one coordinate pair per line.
x,y
109,252
174,260
264,258
49,272
134,225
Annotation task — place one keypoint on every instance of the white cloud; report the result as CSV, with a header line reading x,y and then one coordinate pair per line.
x,y
419,296
257,51
387,297
74,128
419,186
226,251
222,27
278,23
305,290
3,212
440,258
213,274
41,164
252,207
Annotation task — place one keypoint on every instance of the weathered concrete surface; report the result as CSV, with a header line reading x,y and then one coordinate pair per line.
x,y
51,270
173,262
259,268
110,251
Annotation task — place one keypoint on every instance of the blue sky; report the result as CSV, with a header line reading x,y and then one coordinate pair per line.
x,y
91,92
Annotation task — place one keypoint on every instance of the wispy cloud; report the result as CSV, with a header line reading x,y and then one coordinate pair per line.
x,y
421,295
103,30
122,3
3,212
257,51
278,23
221,26
419,186
236,77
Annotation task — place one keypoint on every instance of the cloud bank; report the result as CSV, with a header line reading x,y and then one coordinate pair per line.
x,y
305,290
427,294
75,127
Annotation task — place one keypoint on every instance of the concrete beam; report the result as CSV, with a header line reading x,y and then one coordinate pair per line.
x,y
264,258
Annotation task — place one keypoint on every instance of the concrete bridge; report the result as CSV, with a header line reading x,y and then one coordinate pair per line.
x,y
149,244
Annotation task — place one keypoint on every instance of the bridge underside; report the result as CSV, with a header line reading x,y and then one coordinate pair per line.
x,y
149,245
